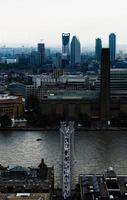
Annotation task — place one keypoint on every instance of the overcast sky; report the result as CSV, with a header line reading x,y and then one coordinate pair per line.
x,y
28,21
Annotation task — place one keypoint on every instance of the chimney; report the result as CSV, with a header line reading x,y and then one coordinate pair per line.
x,y
105,87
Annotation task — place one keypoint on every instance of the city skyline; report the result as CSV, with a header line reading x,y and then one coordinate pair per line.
x,y
26,22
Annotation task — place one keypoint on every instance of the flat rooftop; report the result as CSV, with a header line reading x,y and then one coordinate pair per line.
x,y
26,196
84,94
102,185
87,94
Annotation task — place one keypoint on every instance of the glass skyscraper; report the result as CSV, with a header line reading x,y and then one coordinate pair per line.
x,y
65,49
98,49
75,51
65,43
112,46
41,51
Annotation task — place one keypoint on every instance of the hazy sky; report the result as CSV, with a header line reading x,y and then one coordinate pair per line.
x,y
28,21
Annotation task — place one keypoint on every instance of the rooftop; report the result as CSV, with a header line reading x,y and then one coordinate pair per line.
x,y
18,168
87,94
118,70
26,196
5,98
103,185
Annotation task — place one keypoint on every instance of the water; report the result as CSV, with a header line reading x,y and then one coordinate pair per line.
x,y
94,151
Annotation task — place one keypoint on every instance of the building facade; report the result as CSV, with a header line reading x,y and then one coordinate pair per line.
x,y
41,51
98,49
65,49
104,186
118,81
112,46
75,51
105,86
13,106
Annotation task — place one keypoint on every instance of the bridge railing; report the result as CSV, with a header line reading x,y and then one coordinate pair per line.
x,y
66,130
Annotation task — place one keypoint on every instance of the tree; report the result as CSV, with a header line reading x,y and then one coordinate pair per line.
x,y
33,103
5,121
84,119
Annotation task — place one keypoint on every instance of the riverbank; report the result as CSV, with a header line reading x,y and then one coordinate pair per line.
x,y
57,129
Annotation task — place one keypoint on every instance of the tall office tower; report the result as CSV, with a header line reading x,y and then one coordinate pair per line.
x,y
41,51
75,51
105,86
112,46
35,58
65,48
98,48
58,60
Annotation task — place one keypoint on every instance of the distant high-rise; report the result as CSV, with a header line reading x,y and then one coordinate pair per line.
x,y
112,46
41,51
98,49
35,58
75,51
57,60
105,85
65,48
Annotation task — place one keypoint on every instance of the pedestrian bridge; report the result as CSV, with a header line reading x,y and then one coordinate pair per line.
x,y
67,134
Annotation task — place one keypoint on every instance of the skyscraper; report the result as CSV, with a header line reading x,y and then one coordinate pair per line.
x,y
105,85
41,51
65,49
57,61
65,43
112,46
75,51
35,58
98,48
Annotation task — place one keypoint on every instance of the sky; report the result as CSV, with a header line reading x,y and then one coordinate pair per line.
x,y
26,22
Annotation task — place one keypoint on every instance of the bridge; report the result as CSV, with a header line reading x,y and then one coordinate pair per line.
x,y
67,134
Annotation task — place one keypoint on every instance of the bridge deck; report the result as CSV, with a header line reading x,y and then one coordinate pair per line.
x,y
67,130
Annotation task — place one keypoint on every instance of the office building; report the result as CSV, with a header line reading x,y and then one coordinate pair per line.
x,y
57,60
65,49
65,43
98,49
104,186
118,81
35,58
41,51
25,196
25,90
13,106
105,85
112,46
24,181
75,51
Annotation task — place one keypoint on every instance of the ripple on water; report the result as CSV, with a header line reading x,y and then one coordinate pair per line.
x,y
94,151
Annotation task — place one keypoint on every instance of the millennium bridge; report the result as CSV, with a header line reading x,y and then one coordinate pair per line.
x,y
67,142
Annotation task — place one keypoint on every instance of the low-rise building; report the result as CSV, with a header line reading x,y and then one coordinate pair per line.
x,y
19,179
21,88
118,80
25,196
13,106
103,186
73,103
41,85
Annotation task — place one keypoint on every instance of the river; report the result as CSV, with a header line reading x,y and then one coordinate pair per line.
x,y
95,151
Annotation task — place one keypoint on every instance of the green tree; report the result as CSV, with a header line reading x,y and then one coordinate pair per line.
x,y
84,119
5,121
33,103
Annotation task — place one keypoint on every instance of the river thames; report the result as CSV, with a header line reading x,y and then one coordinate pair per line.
x,y
95,151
